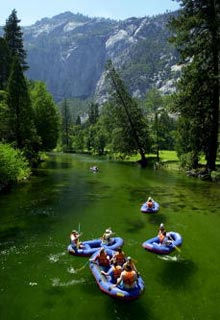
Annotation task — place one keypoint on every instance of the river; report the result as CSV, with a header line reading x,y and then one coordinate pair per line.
x,y
40,280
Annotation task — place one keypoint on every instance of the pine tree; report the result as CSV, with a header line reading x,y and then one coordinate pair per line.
x,y
14,39
21,128
66,125
197,37
131,132
4,63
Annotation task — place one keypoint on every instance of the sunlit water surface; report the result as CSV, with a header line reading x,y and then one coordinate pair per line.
x,y
40,280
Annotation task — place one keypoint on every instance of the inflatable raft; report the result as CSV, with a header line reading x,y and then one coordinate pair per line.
x,y
155,208
91,246
153,245
105,283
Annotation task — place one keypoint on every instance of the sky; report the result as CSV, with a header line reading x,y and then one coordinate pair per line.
x,y
30,11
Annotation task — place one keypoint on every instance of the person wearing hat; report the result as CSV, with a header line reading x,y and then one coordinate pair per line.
x,y
129,262
127,279
161,232
74,238
106,238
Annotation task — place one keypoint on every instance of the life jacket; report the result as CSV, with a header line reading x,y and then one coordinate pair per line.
x,y
119,256
117,272
129,278
149,204
103,260
161,237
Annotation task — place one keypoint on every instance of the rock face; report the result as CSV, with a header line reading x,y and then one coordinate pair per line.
x,y
69,53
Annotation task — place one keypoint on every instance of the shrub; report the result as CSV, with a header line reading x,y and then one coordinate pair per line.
x,y
13,165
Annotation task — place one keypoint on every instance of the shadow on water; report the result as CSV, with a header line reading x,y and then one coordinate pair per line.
x,y
134,226
177,273
122,310
119,309
157,219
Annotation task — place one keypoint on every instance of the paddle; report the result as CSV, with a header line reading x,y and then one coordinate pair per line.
x,y
83,266
177,248
78,242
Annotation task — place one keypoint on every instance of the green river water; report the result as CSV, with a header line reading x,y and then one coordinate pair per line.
x,y
39,279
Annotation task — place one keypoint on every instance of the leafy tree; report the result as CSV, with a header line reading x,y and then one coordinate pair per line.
x,y
130,132
13,165
154,104
14,39
197,37
161,124
47,118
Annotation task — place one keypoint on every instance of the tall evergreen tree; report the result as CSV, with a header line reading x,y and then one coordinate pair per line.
x,y
197,37
14,39
66,125
4,63
93,113
21,128
132,128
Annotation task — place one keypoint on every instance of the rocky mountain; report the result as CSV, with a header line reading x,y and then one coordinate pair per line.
x,y
69,52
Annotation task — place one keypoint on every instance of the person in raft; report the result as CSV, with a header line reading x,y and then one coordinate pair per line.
x,y
129,262
150,203
119,256
127,279
107,236
102,259
114,272
161,229
74,238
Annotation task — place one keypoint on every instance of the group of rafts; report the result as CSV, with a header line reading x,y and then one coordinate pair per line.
x,y
165,242
116,274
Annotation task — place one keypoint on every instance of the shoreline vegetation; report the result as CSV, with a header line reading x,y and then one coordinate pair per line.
x,y
14,168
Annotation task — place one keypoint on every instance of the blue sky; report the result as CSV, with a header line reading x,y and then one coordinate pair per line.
x,y
29,11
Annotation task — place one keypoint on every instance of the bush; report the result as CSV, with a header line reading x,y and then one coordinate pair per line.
x,y
13,166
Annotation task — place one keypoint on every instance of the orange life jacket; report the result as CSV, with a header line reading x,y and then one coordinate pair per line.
x,y
129,278
149,204
117,272
161,237
119,256
103,260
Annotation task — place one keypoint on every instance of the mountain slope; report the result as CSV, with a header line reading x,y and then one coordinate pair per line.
x,y
69,52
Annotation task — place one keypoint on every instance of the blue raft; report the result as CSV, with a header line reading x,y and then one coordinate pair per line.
x,y
91,246
153,245
155,208
105,283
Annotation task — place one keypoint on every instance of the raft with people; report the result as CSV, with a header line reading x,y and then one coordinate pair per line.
x,y
174,241
150,206
94,169
89,247
110,287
